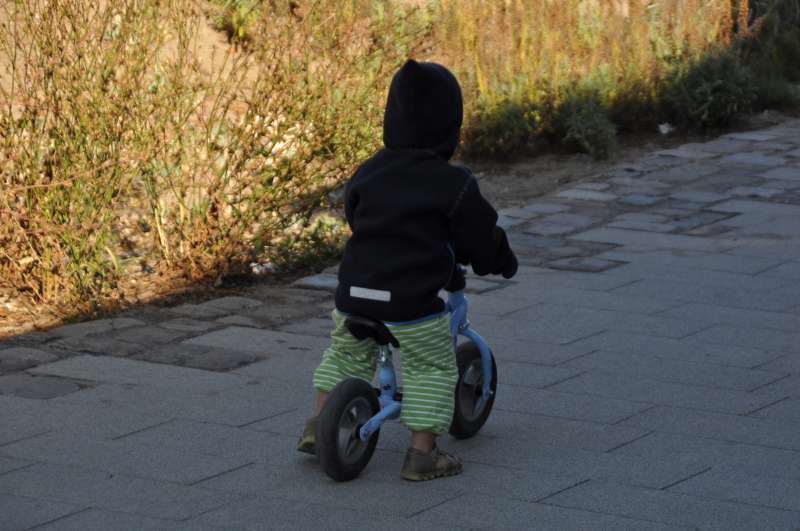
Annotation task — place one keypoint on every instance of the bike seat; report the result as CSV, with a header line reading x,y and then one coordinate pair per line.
x,y
363,327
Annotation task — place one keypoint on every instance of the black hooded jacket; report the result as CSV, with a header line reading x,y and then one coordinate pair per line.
x,y
413,214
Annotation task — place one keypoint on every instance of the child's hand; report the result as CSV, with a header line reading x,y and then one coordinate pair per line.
x,y
511,267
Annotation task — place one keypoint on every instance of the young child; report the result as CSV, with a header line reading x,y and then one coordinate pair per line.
x,y
414,216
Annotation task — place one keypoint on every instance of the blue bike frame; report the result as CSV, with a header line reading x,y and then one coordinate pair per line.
x,y
387,380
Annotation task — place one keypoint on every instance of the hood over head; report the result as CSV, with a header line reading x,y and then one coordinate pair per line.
x,y
424,109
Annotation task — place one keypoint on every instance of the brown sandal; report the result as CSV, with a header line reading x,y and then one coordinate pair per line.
x,y
421,466
308,441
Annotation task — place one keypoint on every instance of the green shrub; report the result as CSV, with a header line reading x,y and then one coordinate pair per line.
x,y
310,244
711,93
582,124
498,129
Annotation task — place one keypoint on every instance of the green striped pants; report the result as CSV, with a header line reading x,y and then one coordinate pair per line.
x,y
429,369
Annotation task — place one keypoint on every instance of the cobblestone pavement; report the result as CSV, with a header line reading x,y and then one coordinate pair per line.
x,y
648,353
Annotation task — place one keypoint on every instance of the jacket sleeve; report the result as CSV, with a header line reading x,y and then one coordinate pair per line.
x,y
478,240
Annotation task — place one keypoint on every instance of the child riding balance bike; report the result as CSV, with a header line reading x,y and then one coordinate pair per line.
x,y
414,217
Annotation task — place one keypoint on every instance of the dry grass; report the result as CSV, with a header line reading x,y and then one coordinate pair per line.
x,y
130,164
139,151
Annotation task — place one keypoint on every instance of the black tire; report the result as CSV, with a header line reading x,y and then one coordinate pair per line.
x,y
342,454
467,421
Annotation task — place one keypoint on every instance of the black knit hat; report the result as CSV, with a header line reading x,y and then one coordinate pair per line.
x,y
424,109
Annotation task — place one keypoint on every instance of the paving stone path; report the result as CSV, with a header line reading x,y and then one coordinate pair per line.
x,y
649,360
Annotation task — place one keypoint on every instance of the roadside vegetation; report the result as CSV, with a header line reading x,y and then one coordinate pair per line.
x,y
147,146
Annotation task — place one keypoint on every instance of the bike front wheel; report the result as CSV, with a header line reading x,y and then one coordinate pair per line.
x,y
471,411
342,453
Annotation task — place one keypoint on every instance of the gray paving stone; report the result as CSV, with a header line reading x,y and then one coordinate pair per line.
x,y
198,311
746,297
122,456
597,187
772,339
586,195
613,466
756,191
188,325
752,136
583,264
82,487
321,281
724,145
699,197
95,327
581,298
471,510
788,173
658,445
100,520
566,405
21,418
672,508
553,330
760,461
505,347
711,315
789,270
177,354
787,363
239,320
780,493
757,207
705,261
678,349
535,209
217,360
20,513
232,407
530,279
636,366
7,464
683,173
260,342
276,513
686,152
149,335
507,222
232,304
315,327
98,344
120,371
532,375
753,158
783,185
648,226
788,409
733,428
27,386
540,430
397,498
599,320
640,199
20,358
653,240
217,440
620,386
